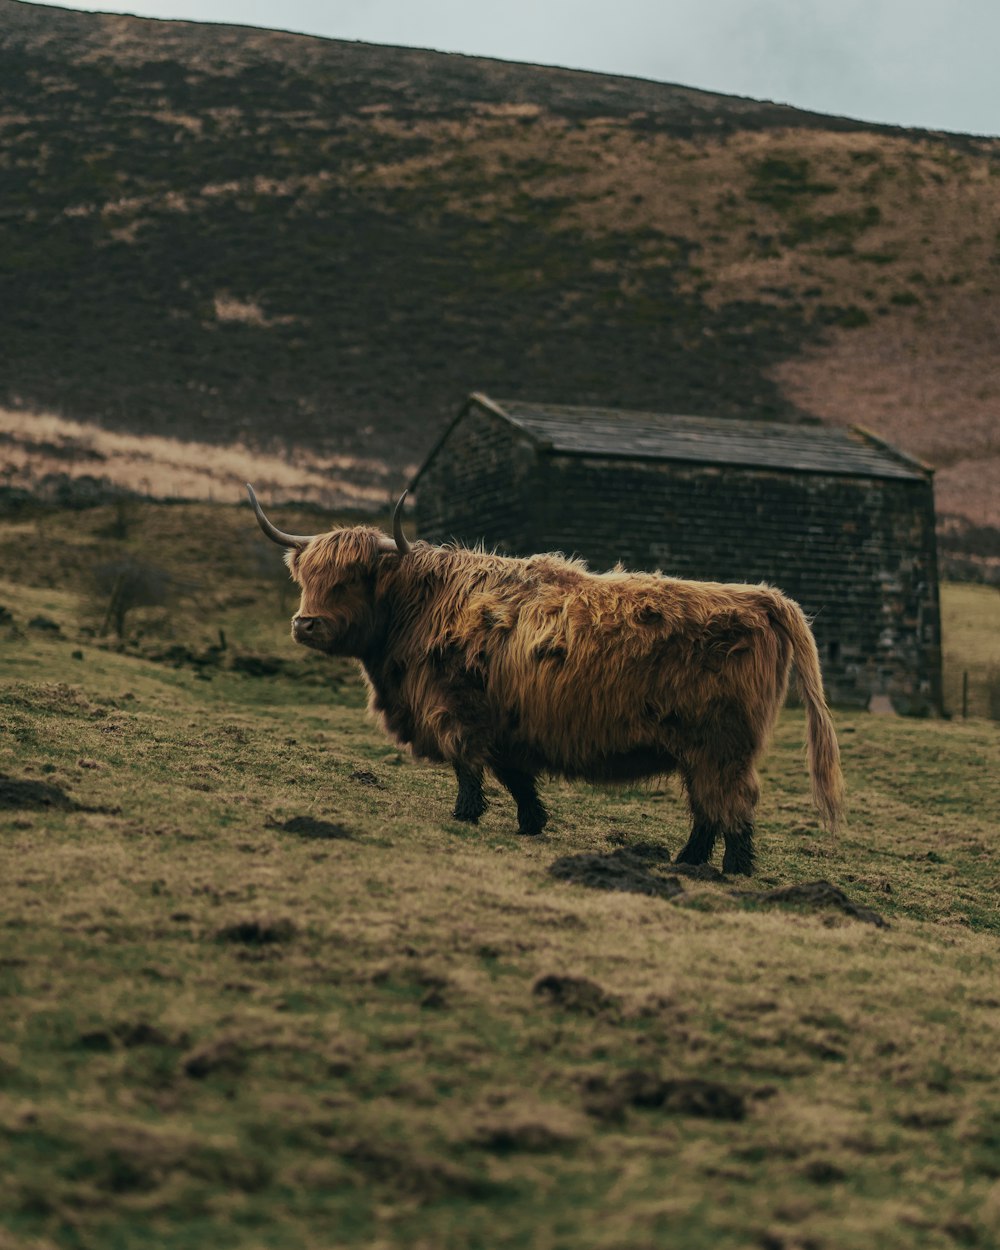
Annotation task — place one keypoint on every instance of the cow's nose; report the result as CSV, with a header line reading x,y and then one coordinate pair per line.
x,y
303,626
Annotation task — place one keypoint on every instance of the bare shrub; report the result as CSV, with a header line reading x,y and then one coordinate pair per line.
x,y
125,584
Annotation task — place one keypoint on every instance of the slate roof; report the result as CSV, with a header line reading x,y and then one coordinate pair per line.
x,y
609,432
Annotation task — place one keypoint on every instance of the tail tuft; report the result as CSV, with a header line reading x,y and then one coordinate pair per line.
x,y
823,749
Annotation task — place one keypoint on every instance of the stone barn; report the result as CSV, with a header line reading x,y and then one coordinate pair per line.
x,y
834,517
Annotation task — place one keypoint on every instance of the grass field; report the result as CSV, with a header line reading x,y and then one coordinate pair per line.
x,y
260,990
970,622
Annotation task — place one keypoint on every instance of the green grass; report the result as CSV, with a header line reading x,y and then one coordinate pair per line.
x,y
970,622
259,989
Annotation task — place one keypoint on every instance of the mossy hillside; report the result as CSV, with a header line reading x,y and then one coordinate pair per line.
x,y
293,242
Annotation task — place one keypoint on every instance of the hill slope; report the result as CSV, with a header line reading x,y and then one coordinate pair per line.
x,y
313,246
259,988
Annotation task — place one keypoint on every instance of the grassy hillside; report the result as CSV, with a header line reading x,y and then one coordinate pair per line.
x,y
970,624
227,235
260,989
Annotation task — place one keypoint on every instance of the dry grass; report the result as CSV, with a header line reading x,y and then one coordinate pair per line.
x,y
259,986
245,311
39,446
928,381
970,625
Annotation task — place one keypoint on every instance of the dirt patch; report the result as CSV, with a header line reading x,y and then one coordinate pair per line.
x,y
628,868
44,625
365,777
609,1097
310,827
222,1054
258,931
577,994
257,665
697,872
511,1138
128,1034
514,1130
823,1172
816,896
430,986
18,794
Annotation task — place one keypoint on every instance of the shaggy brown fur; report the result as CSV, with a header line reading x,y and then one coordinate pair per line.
x,y
527,666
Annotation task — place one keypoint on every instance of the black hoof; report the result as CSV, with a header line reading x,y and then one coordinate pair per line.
x,y
687,856
531,827
739,856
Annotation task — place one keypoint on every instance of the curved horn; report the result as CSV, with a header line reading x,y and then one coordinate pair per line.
x,y
397,544
402,546
276,535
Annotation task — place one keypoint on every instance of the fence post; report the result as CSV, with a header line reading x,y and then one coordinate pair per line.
x,y
965,694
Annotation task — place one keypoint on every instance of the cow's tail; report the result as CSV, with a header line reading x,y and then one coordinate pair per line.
x,y
823,750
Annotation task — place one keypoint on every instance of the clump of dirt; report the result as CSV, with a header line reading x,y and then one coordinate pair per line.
x,y
430,985
577,994
258,931
44,625
627,868
823,1172
817,895
517,1130
50,697
221,1054
648,852
128,1034
697,872
19,794
609,1097
179,655
365,777
310,827
257,665
516,1138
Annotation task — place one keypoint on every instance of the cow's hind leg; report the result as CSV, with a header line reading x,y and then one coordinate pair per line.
x,y
739,854
531,814
470,803
723,798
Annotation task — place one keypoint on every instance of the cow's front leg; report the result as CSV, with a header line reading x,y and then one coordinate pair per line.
x,y
699,846
470,803
531,814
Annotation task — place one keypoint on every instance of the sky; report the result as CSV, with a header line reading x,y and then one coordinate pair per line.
x,y
926,63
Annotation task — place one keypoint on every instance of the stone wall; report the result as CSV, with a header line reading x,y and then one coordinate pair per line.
x,y
477,487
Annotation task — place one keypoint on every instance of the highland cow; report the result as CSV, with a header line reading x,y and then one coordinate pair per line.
x,y
530,666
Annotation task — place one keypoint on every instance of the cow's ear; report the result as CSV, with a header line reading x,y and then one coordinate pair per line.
x,y
292,560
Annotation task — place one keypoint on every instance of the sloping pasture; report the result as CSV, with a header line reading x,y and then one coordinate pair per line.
x,y
259,989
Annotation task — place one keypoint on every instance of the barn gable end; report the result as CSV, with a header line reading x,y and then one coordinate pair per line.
x,y
835,518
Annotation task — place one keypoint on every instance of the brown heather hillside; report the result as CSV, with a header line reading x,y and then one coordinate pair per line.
x,y
316,248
